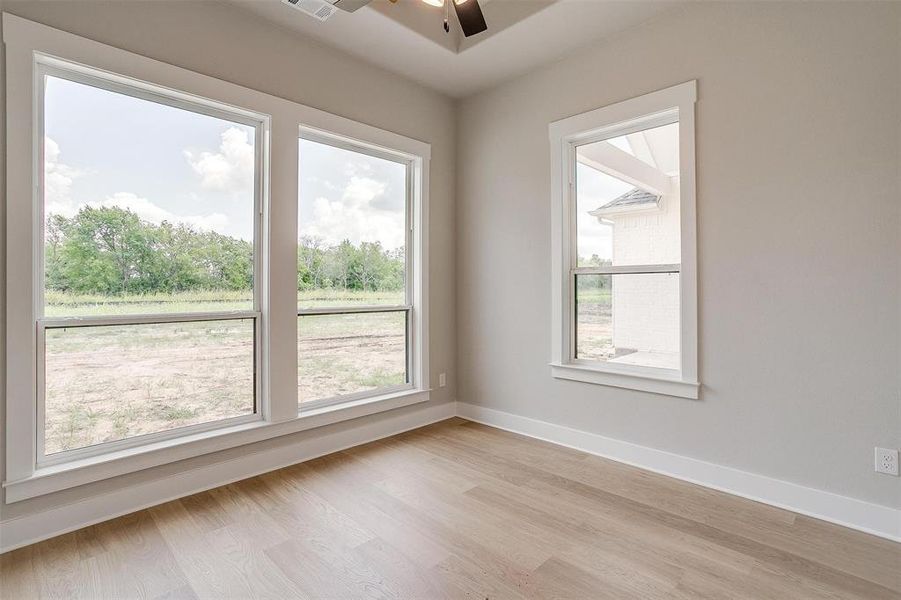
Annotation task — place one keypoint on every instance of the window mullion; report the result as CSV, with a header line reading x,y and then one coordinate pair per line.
x,y
149,319
280,291
627,269
350,310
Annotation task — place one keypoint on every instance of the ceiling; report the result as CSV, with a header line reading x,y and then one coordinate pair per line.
x,y
408,38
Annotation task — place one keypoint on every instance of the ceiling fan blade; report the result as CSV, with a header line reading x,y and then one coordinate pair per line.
x,y
469,13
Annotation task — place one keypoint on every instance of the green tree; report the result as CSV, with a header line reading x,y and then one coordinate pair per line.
x,y
311,264
104,250
367,267
223,262
54,236
172,268
109,250
372,265
341,262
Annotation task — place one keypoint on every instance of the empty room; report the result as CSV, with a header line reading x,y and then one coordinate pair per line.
x,y
450,299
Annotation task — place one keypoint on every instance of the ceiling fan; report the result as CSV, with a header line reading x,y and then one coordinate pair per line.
x,y
469,13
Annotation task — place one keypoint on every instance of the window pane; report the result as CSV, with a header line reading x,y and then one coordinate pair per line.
x,y
351,228
110,383
148,208
346,354
629,319
627,199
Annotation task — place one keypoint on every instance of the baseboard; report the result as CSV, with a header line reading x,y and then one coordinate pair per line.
x,y
875,519
25,530
849,512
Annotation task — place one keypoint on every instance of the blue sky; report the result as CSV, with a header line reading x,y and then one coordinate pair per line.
x,y
658,147
348,195
165,163
594,189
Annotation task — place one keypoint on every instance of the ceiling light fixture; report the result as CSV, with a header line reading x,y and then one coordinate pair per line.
x,y
469,14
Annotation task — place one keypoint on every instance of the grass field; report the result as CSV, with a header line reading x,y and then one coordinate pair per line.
x,y
108,383
59,304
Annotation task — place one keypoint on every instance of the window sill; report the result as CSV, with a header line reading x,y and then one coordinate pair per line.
x,y
632,381
49,479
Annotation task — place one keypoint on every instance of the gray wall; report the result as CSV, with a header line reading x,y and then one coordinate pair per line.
x,y
799,239
225,42
798,203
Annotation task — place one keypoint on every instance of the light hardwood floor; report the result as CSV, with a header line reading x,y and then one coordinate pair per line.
x,y
458,510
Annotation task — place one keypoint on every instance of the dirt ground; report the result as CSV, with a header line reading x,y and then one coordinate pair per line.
x,y
594,332
333,366
111,383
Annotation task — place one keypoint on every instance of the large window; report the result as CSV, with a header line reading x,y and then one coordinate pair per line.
x,y
194,265
624,225
148,314
354,296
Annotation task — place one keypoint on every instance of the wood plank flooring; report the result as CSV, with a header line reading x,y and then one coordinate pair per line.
x,y
458,510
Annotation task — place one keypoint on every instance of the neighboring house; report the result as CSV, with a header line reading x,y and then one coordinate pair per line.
x,y
645,229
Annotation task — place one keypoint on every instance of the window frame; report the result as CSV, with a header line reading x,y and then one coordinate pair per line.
x,y
277,406
670,105
48,66
413,276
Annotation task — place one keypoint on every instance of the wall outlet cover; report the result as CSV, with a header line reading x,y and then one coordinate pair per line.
x,y
887,461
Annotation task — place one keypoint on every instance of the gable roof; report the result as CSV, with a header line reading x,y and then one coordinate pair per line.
x,y
634,198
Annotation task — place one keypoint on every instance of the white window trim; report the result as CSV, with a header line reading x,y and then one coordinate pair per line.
x,y
277,405
602,123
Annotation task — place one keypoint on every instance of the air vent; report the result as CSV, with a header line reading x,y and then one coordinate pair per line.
x,y
319,9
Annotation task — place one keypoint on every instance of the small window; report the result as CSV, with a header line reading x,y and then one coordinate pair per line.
x,y
626,276
626,309
354,292
149,311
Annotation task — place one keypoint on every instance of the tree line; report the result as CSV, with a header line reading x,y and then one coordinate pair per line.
x,y
593,282
367,267
111,251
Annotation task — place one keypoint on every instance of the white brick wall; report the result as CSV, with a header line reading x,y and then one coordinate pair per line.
x,y
646,307
646,312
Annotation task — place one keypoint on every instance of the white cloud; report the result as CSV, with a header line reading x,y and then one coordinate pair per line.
x,y
357,216
58,179
323,182
229,169
594,238
358,168
361,191
148,211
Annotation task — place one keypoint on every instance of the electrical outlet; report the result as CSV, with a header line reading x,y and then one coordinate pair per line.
x,y
887,461
442,381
